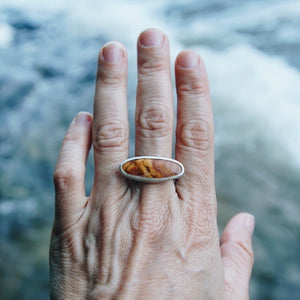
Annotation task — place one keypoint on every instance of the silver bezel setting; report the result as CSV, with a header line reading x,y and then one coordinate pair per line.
x,y
151,180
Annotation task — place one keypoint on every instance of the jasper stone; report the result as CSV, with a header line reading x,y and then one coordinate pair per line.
x,y
151,169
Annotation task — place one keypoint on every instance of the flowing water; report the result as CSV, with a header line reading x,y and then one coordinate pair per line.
x,y
48,53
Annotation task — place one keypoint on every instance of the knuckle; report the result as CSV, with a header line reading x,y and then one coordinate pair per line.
x,y
113,134
110,79
65,175
155,121
196,134
246,251
72,137
153,66
193,87
110,75
243,252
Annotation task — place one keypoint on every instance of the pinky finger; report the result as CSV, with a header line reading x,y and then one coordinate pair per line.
x,y
69,172
237,256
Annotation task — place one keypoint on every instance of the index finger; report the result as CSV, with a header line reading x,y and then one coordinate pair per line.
x,y
110,126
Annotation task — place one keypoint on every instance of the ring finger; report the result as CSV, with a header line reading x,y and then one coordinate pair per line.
x,y
110,126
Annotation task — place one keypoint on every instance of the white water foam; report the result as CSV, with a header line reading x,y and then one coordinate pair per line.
x,y
6,35
266,88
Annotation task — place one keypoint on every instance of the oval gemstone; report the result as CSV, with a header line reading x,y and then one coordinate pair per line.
x,y
151,169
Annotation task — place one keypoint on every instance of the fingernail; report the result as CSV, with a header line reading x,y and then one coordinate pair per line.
x,y
250,223
83,118
151,38
187,59
112,52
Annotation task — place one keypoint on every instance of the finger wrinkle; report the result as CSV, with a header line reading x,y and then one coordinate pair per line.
x,y
238,247
192,81
113,134
153,67
110,77
196,134
66,174
158,122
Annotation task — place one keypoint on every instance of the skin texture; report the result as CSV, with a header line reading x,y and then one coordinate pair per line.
x,y
129,240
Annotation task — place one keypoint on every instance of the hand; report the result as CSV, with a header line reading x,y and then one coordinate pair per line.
x,y
129,240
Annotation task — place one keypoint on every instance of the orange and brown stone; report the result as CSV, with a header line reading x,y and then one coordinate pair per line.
x,y
152,168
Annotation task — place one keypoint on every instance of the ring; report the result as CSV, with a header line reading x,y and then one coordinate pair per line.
x,y
151,169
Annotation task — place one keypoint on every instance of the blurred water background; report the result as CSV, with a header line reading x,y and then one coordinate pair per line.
x,y
48,53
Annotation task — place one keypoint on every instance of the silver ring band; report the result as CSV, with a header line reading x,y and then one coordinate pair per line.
x,y
151,169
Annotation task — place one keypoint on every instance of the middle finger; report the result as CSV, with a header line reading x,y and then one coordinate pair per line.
x,y
154,106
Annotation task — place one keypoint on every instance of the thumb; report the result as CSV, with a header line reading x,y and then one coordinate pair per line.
x,y
237,256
